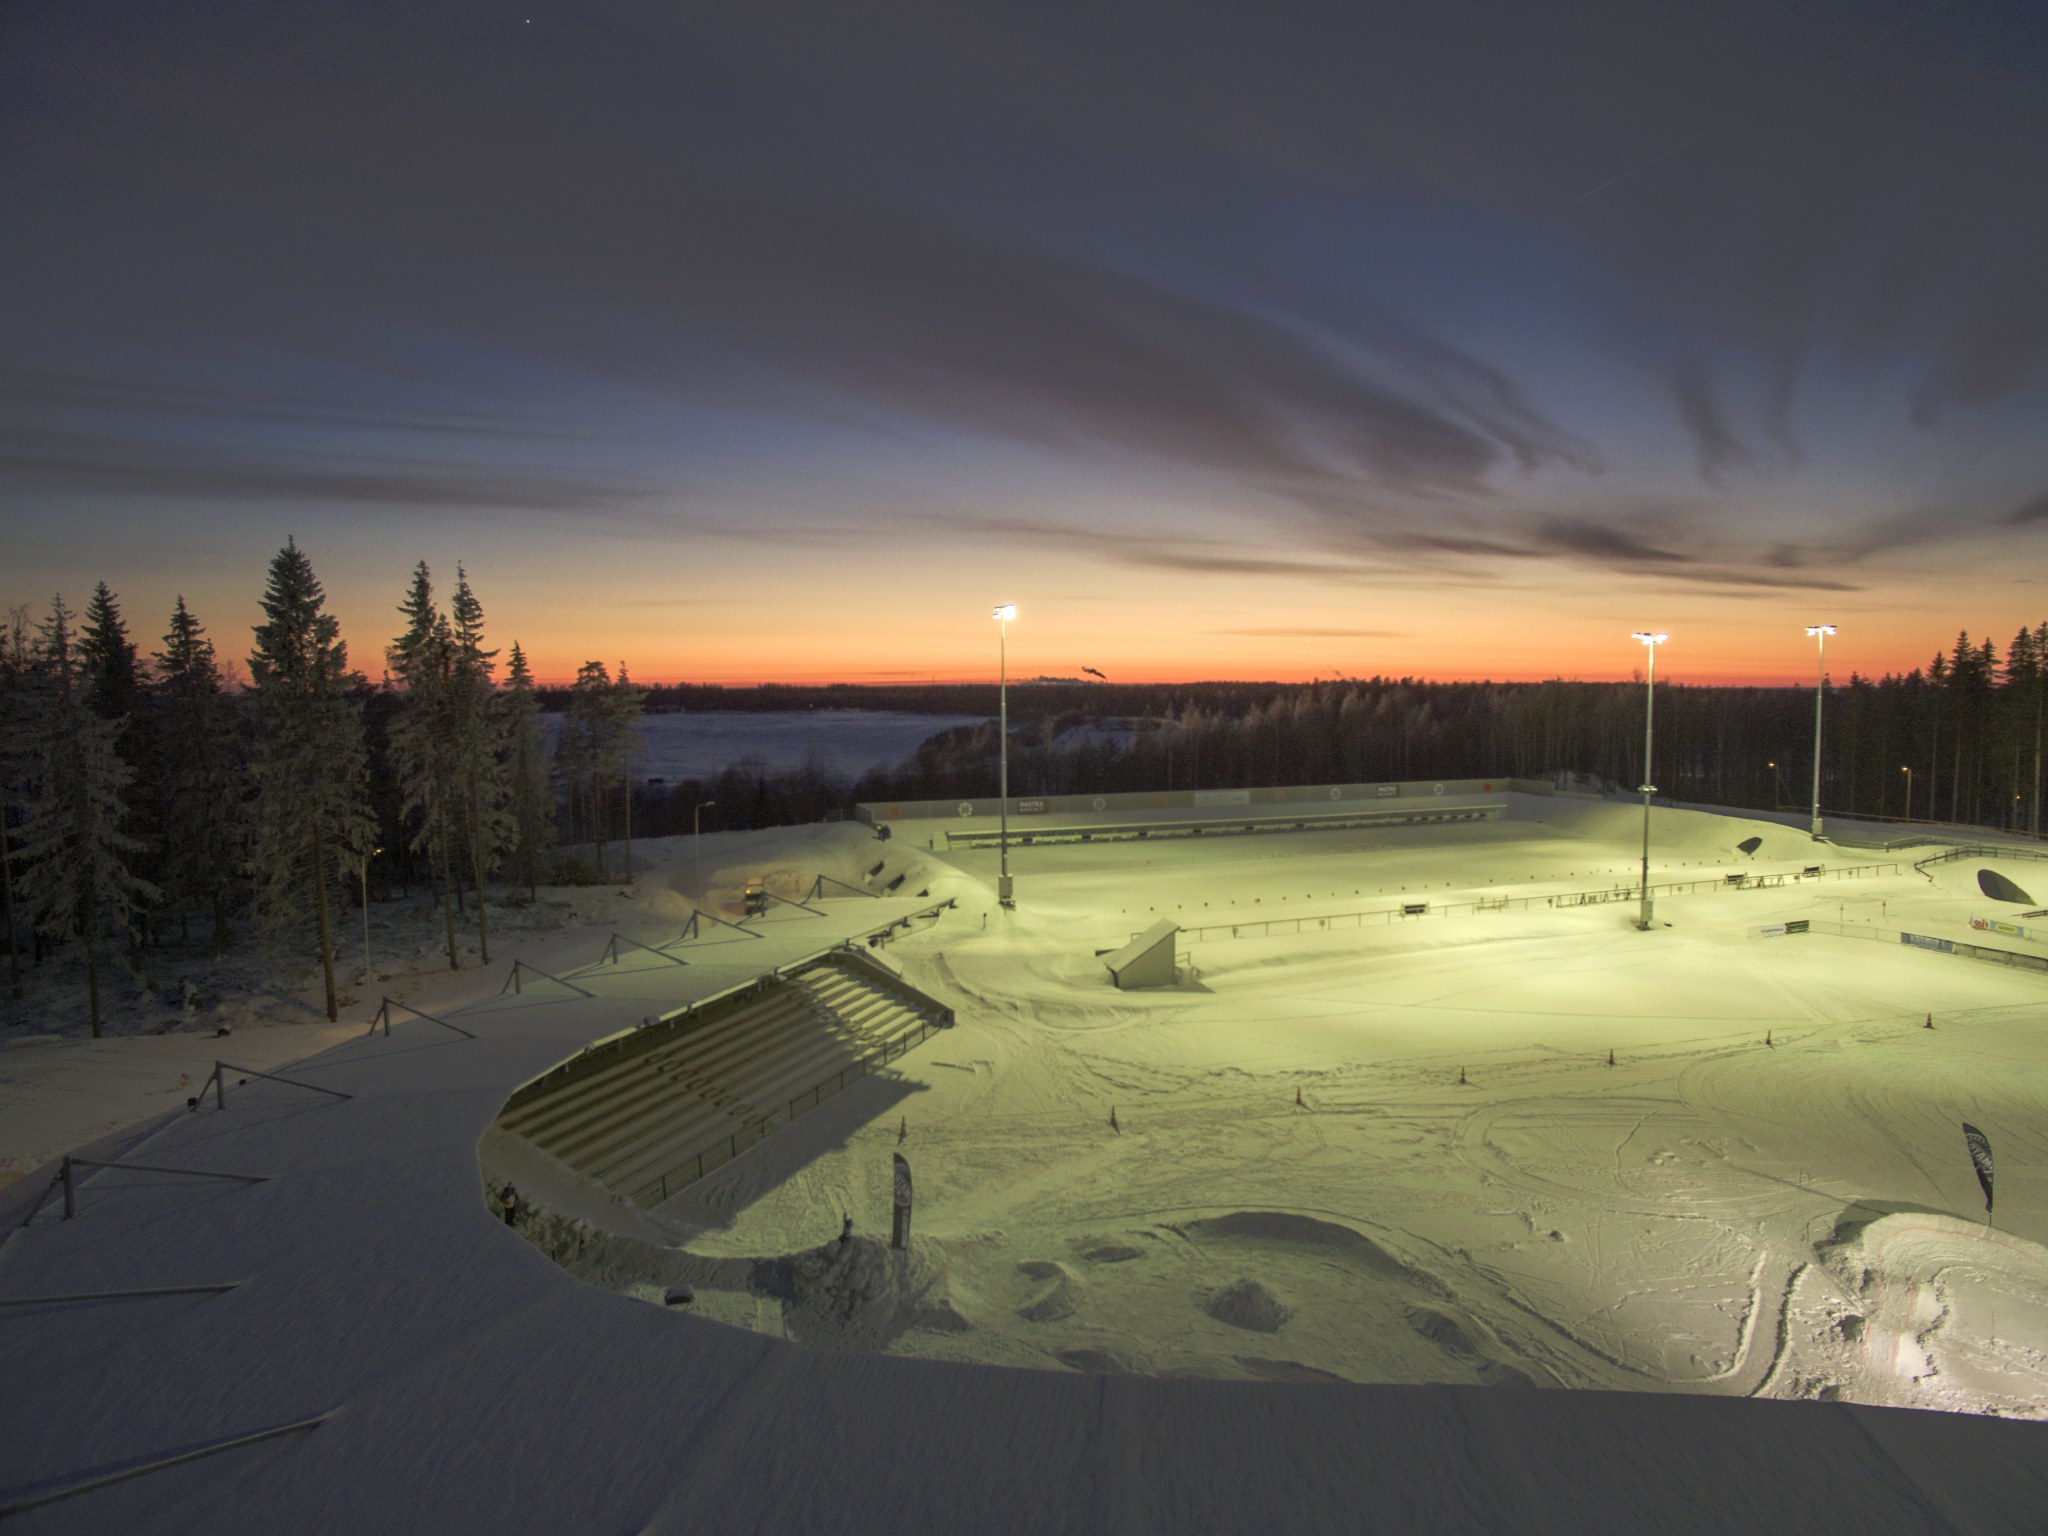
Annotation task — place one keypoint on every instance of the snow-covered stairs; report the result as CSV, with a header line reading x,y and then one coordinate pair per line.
x,y
657,1116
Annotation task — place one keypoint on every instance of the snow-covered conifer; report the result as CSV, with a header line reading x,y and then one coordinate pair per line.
x,y
487,828
18,678
526,771
311,772
201,788
423,661
585,752
624,708
78,878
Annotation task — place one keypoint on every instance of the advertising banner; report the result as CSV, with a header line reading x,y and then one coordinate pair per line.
x,y
1980,1154
899,1231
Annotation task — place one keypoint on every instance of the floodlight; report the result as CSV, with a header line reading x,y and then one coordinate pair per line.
x,y
1006,612
1649,639
1820,629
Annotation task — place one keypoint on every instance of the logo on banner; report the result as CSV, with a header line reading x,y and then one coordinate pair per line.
x,y
966,807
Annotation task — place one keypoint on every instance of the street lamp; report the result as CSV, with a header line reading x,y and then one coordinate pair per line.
x,y
1909,791
363,873
1003,615
1819,632
1650,643
697,831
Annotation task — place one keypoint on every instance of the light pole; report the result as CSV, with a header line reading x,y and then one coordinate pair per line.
x,y
363,872
1777,786
1909,792
1819,632
697,831
1650,643
1003,615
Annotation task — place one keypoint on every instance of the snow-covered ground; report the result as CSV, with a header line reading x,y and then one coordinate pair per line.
x,y
1710,1213
1710,1216
701,744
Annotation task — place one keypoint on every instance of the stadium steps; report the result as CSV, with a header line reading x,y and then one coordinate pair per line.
x,y
657,1116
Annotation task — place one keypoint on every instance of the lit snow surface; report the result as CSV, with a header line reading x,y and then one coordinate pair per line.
x,y
1235,1313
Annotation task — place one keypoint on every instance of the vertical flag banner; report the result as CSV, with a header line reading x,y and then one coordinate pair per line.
x,y
1980,1154
899,1232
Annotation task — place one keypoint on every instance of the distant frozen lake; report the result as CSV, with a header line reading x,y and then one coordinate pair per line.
x,y
698,745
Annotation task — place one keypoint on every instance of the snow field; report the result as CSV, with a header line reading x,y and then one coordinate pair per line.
x,y
1650,1225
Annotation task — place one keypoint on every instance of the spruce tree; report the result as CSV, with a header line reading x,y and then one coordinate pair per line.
x,y
623,709
422,660
522,752
311,772
202,786
79,877
585,752
18,679
478,764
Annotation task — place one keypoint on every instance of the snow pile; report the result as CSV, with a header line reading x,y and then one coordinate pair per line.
x,y
1247,1304
1919,1309
857,1294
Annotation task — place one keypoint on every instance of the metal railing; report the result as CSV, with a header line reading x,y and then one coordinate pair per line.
x,y
718,1154
1410,911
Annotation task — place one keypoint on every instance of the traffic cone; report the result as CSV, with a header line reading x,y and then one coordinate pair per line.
x,y
1610,1057
1112,1121
1930,1022
903,1131
1767,1039
1297,1100
1461,1077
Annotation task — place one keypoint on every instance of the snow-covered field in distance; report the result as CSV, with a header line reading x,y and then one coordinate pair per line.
x,y
1710,1213
700,744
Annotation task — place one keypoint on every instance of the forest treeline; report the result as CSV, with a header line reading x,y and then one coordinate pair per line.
x,y
151,802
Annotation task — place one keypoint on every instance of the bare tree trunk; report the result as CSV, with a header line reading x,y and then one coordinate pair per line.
x,y
626,786
7,885
476,863
447,899
326,930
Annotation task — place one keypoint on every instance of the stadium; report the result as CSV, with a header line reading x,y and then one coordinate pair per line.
x,y
1266,1131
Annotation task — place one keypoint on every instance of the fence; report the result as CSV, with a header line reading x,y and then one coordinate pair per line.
x,y
755,1131
1410,911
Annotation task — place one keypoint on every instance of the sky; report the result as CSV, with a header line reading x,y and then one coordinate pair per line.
x,y
780,341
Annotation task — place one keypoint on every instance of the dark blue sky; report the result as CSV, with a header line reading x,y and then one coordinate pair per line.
x,y
781,340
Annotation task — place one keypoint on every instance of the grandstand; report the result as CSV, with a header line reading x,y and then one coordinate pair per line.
x,y
649,1112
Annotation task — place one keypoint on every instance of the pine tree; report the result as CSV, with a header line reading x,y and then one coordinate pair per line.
x,y
585,752
79,877
111,677
623,709
108,668
202,785
18,680
311,772
478,766
525,766
423,739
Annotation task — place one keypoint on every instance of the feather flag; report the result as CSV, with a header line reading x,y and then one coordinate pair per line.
x,y
1980,1154
899,1235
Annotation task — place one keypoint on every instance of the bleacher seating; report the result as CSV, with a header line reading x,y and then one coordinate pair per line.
x,y
673,1102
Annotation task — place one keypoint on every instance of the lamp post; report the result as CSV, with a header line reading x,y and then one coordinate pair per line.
x,y
363,873
1650,643
697,831
1777,786
1003,615
1819,632
1908,772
